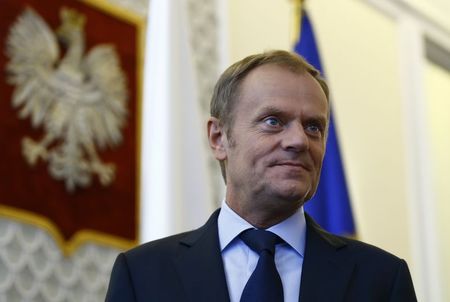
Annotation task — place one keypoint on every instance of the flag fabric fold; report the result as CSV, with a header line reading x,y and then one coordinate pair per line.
x,y
330,206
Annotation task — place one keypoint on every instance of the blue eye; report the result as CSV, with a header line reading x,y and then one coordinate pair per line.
x,y
272,121
314,129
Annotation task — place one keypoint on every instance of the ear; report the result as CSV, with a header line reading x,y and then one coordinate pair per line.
x,y
217,139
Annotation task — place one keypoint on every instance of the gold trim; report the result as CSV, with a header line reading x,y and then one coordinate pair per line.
x,y
141,31
68,247
116,11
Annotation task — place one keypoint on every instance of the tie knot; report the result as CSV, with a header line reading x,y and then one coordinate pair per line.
x,y
260,240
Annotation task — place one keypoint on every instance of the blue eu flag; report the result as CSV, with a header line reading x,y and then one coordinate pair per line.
x,y
330,206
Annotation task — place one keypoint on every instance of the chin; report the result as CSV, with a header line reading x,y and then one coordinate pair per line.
x,y
292,195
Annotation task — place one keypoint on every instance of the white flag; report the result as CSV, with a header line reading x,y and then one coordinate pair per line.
x,y
176,194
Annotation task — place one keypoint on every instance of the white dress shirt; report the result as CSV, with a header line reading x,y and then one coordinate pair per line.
x,y
240,261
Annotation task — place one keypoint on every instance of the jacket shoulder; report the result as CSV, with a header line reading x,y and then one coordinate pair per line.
x,y
152,269
367,272
159,251
158,244
347,251
366,248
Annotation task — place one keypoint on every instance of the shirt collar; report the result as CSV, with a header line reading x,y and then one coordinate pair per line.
x,y
292,230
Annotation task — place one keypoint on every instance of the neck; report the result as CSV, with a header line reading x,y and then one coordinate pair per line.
x,y
262,213
75,50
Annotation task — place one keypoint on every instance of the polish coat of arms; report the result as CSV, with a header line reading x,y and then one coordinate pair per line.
x,y
78,99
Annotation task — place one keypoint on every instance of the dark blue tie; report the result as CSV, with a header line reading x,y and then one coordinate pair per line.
x,y
265,282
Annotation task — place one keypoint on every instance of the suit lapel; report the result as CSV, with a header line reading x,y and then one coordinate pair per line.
x,y
325,273
199,264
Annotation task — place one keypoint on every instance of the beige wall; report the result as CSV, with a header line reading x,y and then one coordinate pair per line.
x,y
362,52
438,100
359,52
258,25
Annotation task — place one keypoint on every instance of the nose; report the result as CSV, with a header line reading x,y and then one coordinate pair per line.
x,y
294,138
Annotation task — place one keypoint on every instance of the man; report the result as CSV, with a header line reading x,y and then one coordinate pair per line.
x,y
268,128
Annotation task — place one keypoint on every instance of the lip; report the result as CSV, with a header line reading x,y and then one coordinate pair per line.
x,y
293,164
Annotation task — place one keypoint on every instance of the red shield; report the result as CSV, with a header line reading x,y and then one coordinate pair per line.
x,y
29,193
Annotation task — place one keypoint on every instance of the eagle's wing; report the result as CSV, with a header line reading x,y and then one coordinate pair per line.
x,y
104,110
33,51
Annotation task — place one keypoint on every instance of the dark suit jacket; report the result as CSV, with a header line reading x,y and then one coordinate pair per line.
x,y
188,267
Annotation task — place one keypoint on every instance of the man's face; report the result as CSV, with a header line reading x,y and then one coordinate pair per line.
x,y
276,142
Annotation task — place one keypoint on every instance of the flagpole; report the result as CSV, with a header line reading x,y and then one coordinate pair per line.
x,y
296,20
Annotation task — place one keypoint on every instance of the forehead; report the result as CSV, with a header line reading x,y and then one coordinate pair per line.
x,y
274,85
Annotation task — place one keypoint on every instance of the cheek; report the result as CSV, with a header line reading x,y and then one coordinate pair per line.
x,y
257,154
317,154
250,163
253,152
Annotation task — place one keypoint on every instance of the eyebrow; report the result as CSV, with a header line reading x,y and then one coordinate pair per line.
x,y
271,110
318,119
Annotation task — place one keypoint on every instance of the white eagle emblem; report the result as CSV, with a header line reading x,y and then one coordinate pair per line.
x,y
80,101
